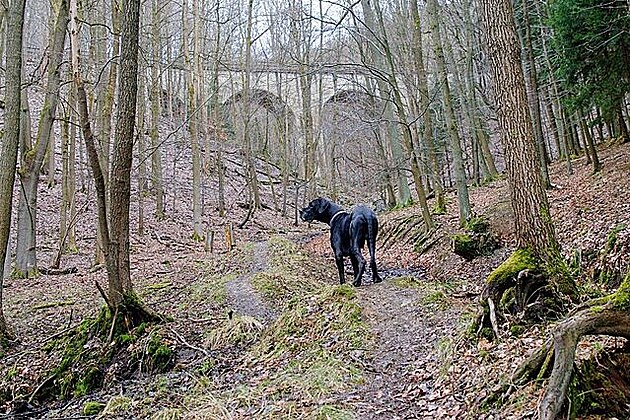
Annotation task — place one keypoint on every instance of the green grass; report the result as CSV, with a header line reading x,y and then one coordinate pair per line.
x,y
303,358
212,288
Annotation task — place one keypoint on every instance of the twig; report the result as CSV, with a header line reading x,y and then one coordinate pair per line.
x,y
40,386
54,304
202,320
111,329
204,351
100,289
493,317
53,271
70,317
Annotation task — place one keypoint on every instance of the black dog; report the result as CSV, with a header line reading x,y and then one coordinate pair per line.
x,y
348,233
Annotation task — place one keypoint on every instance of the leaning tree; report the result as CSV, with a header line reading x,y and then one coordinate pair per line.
x,y
114,227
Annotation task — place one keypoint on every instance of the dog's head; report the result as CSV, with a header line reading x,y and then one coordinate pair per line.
x,y
314,210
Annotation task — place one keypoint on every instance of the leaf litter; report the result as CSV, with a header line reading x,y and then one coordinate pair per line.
x,y
403,352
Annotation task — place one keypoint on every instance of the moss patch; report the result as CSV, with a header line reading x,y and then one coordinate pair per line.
x,y
85,353
158,356
406,282
476,241
92,408
621,298
504,275
600,386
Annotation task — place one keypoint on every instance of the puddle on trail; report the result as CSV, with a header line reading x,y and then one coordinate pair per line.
x,y
392,273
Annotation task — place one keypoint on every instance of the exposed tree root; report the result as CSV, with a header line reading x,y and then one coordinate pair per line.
x,y
566,335
591,319
521,286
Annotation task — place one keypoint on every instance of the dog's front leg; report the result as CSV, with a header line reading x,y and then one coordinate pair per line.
x,y
339,262
355,265
360,261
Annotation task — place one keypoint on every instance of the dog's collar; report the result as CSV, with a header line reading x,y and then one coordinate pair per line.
x,y
335,215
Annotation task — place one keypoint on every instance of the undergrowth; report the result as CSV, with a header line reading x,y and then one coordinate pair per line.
x,y
305,356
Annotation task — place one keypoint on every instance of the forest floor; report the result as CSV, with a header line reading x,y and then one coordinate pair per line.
x,y
265,331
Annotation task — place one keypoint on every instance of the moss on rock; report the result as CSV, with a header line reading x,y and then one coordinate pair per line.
x,y
476,241
159,354
464,246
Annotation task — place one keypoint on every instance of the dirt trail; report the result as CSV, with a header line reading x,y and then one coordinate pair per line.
x,y
400,378
244,299
412,325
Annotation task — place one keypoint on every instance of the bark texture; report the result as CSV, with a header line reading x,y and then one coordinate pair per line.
x,y
533,226
120,182
11,137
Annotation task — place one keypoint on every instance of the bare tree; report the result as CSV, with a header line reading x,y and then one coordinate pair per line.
x,y
121,299
10,138
193,125
31,165
375,58
155,95
451,121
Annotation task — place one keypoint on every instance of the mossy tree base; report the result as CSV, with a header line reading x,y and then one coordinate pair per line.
x,y
525,286
87,352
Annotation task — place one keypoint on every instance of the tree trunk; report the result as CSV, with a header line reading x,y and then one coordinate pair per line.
x,y
250,163
120,182
451,121
88,136
215,112
590,145
425,103
393,133
533,226
105,119
533,95
402,116
156,91
193,126
142,166
10,138
480,127
31,165
67,211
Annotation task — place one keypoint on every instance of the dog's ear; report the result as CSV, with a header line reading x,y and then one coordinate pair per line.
x,y
322,204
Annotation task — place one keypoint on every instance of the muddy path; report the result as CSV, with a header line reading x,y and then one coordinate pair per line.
x,y
243,298
412,338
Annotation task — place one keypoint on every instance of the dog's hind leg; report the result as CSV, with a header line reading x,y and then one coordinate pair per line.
x,y
358,262
356,252
371,241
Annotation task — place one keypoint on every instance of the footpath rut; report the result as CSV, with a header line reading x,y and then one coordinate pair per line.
x,y
402,371
244,299
399,381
